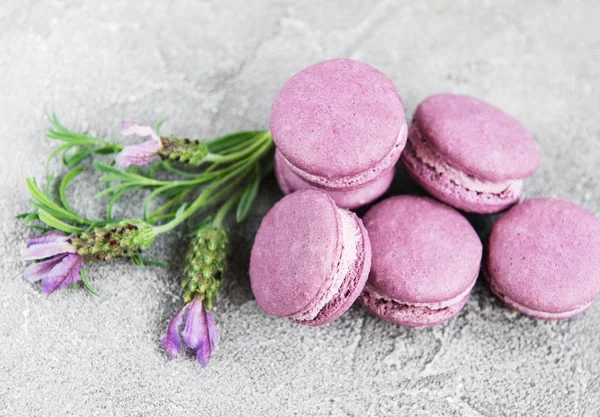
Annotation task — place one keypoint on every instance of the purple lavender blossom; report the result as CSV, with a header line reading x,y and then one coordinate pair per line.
x,y
200,333
142,153
60,264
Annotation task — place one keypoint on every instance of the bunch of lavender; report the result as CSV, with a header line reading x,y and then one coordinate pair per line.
x,y
227,174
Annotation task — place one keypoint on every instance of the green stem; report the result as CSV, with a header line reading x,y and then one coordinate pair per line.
x,y
203,199
225,208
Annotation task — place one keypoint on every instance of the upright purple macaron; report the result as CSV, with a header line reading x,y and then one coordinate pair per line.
x,y
338,126
468,153
426,259
310,259
543,258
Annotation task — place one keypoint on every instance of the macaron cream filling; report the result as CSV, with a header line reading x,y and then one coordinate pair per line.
x,y
345,269
352,198
361,178
418,150
371,297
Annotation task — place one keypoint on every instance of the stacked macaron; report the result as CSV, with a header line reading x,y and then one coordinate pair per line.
x,y
339,130
339,127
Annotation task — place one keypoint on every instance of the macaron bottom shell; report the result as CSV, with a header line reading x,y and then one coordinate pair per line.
x,y
434,176
541,315
349,198
417,315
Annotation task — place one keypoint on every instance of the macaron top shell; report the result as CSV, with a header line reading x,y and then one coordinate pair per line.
x,y
337,118
476,137
544,254
423,251
294,252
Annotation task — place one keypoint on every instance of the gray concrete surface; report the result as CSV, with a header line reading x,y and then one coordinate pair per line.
x,y
214,67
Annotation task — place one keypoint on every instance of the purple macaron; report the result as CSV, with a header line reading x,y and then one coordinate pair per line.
x,y
468,153
310,259
543,259
426,259
338,126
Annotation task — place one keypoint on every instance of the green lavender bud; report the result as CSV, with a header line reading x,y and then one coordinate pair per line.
x,y
116,240
205,264
188,151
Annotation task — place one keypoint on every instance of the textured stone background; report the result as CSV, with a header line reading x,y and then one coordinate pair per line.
x,y
214,67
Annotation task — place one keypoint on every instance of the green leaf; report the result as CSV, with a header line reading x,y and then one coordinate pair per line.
x,y
180,210
55,223
44,202
23,215
168,191
173,201
107,150
114,189
113,200
62,148
118,175
140,260
220,144
102,167
69,176
159,125
77,157
30,218
137,260
134,169
249,195
167,165
86,284
148,261
50,179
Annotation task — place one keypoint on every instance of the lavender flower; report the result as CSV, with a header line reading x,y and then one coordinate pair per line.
x,y
186,151
206,262
61,263
62,257
200,333
142,153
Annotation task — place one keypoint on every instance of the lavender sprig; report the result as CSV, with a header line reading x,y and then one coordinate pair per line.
x,y
231,169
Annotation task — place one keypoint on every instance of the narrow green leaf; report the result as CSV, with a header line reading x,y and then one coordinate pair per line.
x,y
180,210
101,166
159,125
148,261
42,202
113,200
77,157
173,201
137,260
48,183
249,195
57,224
134,169
221,143
43,229
69,176
107,150
113,189
23,215
167,165
86,284
30,218
62,148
